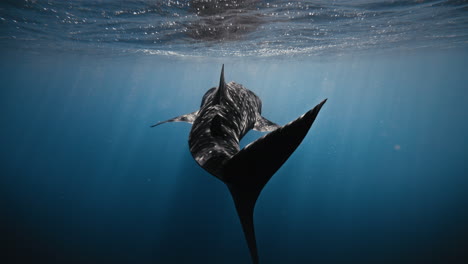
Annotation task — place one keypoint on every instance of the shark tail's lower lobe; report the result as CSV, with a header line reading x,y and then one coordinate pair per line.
x,y
245,203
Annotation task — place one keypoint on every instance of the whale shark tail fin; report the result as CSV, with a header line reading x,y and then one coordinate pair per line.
x,y
244,199
189,118
247,172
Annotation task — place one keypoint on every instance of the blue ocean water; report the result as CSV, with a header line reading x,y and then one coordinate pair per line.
x,y
382,176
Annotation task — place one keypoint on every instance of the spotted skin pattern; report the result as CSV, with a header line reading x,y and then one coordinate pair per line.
x,y
226,114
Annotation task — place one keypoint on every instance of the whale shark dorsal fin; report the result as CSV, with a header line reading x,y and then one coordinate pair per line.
x,y
189,118
247,172
264,125
221,91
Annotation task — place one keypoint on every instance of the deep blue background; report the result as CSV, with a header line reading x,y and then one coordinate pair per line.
x,y
381,177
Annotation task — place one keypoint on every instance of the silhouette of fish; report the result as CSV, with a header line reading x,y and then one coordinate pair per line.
x,y
226,114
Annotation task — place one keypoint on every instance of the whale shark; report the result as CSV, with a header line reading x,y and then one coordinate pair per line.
x,y
226,114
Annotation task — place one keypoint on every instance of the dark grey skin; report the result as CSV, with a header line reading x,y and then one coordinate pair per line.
x,y
226,114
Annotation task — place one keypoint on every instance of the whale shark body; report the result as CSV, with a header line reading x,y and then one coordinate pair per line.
x,y
226,114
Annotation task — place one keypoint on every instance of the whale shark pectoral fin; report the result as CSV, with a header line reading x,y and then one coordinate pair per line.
x,y
189,118
264,125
